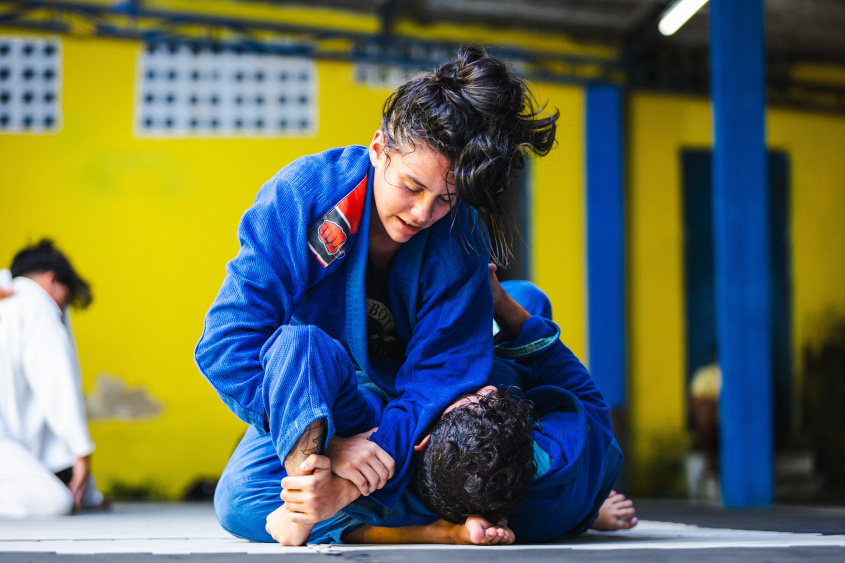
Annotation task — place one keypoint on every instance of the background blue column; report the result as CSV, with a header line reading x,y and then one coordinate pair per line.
x,y
606,240
740,228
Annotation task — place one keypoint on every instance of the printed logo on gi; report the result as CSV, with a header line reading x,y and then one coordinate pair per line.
x,y
328,237
332,236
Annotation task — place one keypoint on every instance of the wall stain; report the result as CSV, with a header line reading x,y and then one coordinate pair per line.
x,y
112,399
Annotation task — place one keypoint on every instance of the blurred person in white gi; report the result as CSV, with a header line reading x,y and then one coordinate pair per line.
x,y
45,446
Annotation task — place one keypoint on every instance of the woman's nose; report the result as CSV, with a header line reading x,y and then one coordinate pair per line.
x,y
423,210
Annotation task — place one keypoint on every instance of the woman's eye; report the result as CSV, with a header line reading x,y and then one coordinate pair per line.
x,y
412,191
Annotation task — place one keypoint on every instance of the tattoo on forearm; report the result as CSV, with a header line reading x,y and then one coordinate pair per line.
x,y
312,441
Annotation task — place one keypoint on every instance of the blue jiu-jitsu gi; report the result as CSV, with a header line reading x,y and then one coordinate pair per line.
x,y
286,277
577,457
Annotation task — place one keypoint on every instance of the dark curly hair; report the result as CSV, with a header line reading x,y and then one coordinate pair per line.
x,y
480,459
483,119
43,256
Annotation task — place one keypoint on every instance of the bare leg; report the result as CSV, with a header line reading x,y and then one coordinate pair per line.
x,y
616,513
312,441
475,531
279,525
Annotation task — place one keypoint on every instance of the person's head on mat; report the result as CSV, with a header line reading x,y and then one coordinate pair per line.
x,y
479,457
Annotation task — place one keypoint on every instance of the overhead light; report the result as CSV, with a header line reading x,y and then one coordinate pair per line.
x,y
677,15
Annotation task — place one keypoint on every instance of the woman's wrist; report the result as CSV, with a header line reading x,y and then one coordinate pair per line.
x,y
351,491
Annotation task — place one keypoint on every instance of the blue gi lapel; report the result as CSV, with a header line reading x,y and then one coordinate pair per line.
x,y
356,287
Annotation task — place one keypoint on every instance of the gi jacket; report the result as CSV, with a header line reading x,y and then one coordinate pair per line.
x,y
303,259
574,431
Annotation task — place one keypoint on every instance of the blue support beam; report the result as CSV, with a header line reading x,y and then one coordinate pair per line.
x,y
740,228
606,240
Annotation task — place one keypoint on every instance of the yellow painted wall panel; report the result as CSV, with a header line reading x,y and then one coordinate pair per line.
x,y
151,223
659,128
815,145
558,232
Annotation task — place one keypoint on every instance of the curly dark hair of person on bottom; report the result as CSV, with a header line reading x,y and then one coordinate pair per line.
x,y
483,119
479,460
43,256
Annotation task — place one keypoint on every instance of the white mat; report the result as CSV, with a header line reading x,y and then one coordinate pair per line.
x,y
192,528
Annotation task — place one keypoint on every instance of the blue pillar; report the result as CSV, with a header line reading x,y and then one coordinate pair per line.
x,y
740,228
606,240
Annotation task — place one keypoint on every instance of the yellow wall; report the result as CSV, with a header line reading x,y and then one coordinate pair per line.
x,y
151,222
660,127
558,232
816,147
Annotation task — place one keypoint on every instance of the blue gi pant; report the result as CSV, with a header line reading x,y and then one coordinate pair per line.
x,y
309,376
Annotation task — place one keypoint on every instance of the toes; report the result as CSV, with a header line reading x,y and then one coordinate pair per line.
x,y
627,523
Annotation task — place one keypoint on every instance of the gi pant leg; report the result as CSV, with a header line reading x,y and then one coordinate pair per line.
x,y
308,376
27,487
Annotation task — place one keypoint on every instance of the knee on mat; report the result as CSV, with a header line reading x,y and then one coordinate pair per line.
x,y
238,512
28,497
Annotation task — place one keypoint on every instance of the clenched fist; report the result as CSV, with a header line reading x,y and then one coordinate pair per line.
x,y
332,236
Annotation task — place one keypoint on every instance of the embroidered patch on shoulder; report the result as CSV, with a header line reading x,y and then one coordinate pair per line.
x,y
327,239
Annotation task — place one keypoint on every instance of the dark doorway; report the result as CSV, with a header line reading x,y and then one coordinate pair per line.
x,y
517,203
699,276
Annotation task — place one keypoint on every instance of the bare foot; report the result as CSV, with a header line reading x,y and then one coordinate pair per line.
x,y
284,531
616,513
478,531
279,523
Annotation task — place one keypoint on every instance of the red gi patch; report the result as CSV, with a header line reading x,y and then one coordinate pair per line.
x,y
328,237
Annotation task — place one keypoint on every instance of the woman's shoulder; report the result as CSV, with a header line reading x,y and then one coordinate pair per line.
x,y
325,171
316,182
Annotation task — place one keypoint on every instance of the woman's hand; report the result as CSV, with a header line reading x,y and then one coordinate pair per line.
x,y
360,461
316,497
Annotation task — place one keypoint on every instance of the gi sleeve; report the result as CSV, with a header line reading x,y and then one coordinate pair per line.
x,y
263,285
50,367
557,366
449,354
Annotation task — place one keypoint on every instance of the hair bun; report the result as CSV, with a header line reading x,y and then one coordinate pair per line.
x,y
447,79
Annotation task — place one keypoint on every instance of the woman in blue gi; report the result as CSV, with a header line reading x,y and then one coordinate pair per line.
x,y
369,260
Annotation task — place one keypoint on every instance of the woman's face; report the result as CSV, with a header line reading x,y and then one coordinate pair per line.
x,y
412,188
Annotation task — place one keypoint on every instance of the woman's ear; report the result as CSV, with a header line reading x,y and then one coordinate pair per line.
x,y
421,446
377,146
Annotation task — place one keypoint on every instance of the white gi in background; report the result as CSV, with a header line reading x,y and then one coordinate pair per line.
x,y
43,428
